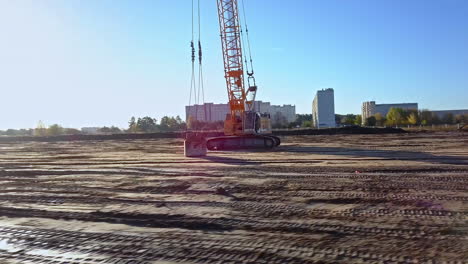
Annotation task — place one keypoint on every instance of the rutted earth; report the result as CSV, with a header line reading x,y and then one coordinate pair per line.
x,y
394,198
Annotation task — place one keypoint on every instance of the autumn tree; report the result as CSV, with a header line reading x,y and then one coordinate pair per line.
x,y
379,119
395,117
413,118
40,129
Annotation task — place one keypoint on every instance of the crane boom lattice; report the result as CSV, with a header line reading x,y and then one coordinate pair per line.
x,y
232,55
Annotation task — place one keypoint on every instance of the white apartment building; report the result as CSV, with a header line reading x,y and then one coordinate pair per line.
x,y
288,111
323,109
210,112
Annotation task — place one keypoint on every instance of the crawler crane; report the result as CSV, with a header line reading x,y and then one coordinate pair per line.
x,y
244,128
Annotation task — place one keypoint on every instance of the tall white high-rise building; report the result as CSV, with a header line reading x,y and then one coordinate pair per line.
x,y
323,109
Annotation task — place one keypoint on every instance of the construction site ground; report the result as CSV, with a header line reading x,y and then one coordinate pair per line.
x,y
387,198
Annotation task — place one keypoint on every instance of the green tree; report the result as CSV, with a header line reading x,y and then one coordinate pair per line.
x,y
109,130
300,120
338,119
307,123
71,131
448,118
132,125
461,118
11,132
180,123
279,121
435,120
147,124
115,130
55,130
349,119
167,123
17,132
371,121
358,120
425,117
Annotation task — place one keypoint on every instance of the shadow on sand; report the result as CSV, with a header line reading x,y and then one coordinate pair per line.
x,y
230,160
384,154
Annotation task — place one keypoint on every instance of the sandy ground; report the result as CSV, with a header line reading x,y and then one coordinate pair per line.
x,y
395,198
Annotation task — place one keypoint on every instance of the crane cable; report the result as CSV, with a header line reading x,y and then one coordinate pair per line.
x,y
250,74
192,81
193,86
243,45
200,66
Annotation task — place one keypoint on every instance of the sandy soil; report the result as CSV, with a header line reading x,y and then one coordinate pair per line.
x,y
394,198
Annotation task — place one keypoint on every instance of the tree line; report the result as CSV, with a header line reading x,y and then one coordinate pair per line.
x,y
399,117
395,117
305,121
135,125
41,130
149,124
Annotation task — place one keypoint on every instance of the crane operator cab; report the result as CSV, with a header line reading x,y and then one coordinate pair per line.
x,y
255,134
257,123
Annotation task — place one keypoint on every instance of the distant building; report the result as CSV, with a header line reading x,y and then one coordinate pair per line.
x,y
323,109
371,108
210,112
287,111
442,113
90,130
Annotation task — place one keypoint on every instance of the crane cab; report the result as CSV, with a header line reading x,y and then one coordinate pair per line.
x,y
252,123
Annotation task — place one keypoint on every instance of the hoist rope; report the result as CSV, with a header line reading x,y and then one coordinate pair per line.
x,y
248,39
200,68
192,81
243,45
194,90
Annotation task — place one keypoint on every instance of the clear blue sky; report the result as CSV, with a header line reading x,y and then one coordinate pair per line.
x,y
94,63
